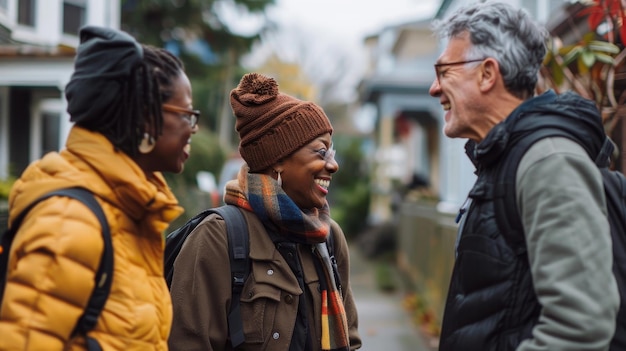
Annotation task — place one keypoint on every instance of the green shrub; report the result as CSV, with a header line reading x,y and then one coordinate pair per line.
x,y
351,207
350,194
206,155
5,187
385,277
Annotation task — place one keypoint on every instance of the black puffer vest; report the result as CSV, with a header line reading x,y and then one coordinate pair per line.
x,y
491,303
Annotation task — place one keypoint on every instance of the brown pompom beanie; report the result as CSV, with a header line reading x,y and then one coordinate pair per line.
x,y
272,125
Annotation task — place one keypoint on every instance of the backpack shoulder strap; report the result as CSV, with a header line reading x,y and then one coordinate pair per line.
x,y
174,242
105,270
239,248
330,245
505,200
615,191
603,160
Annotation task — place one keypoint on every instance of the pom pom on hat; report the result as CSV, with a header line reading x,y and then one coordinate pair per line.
x,y
257,88
272,125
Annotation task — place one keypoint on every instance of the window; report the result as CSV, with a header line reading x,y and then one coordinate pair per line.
x,y
26,12
46,129
4,6
74,12
50,132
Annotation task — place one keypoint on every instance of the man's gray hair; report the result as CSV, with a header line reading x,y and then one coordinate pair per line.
x,y
505,33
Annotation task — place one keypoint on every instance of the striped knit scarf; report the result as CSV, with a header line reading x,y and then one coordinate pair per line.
x,y
261,194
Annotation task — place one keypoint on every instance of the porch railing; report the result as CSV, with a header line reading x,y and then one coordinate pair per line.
x,y
426,251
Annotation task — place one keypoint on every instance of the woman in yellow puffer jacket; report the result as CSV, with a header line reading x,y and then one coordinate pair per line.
x,y
131,105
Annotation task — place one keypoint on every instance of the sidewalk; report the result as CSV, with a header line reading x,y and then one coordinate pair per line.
x,y
384,325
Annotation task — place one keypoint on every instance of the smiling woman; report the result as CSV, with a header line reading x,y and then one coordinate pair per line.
x,y
281,189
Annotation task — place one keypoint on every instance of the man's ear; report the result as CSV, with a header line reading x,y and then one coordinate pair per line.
x,y
489,74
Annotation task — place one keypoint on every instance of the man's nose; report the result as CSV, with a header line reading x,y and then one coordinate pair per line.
x,y
435,89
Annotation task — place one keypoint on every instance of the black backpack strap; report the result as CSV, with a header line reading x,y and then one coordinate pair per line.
x,y
505,199
603,159
239,248
615,190
104,274
330,245
174,243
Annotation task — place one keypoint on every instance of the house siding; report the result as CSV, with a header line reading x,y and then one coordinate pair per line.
x,y
36,63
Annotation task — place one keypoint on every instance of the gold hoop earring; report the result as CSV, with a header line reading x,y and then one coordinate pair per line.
x,y
279,180
147,144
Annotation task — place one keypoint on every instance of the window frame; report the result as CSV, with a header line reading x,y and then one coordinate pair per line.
x,y
80,6
26,14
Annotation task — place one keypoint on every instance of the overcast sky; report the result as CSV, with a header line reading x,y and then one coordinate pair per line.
x,y
349,21
318,34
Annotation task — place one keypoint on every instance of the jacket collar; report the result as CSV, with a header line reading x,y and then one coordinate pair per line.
x,y
90,161
549,110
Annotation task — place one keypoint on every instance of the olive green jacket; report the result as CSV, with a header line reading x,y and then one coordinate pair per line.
x,y
569,247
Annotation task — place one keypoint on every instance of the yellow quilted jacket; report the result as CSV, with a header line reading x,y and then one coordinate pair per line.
x,y
57,250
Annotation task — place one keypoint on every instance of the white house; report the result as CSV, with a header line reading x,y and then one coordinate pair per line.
x,y
38,40
395,91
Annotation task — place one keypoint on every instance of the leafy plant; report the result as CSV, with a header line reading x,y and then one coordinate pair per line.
x,y
590,65
423,315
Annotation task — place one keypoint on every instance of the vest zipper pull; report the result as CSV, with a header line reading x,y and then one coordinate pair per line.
x,y
462,211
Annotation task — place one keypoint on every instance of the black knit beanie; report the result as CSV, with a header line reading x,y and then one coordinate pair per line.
x,y
105,59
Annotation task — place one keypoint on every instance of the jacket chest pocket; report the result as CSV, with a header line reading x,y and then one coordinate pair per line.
x,y
269,303
259,303
481,216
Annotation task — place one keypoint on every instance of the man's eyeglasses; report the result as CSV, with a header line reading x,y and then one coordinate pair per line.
x,y
438,66
191,116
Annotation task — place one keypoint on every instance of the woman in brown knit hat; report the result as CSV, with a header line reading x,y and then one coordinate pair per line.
x,y
295,297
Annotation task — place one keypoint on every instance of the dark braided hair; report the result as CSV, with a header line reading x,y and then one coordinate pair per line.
x,y
149,85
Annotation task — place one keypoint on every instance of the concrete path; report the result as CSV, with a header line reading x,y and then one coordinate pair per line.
x,y
384,324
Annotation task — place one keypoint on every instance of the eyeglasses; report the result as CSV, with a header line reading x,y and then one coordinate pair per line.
x,y
191,116
439,65
329,154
